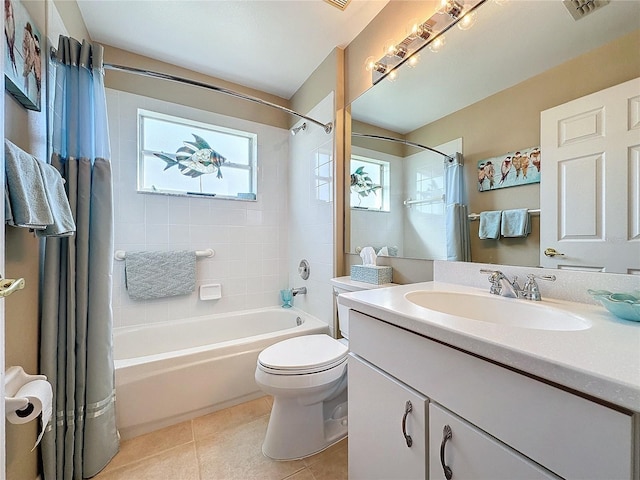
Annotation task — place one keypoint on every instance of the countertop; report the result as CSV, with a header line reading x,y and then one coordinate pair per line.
x,y
602,361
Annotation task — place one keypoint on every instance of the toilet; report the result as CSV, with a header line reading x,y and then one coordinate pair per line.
x,y
307,377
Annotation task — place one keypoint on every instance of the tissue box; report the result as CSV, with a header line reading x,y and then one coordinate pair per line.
x,y
372,274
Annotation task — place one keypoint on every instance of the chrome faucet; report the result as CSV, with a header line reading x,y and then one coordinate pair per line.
x,y
299,290
501,285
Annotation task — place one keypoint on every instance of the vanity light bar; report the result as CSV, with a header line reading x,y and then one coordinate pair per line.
x,y
449,14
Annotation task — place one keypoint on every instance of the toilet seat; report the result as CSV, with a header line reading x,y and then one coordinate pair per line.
x,y
302,355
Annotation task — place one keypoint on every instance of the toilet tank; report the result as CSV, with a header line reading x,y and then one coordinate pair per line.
x,y
345,285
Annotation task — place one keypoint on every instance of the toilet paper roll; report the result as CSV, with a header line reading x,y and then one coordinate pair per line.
x,y
40,396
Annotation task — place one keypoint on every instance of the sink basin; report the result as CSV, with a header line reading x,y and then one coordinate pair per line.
x,y
499,310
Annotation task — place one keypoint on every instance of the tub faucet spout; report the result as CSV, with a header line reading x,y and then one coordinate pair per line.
x,y
299,290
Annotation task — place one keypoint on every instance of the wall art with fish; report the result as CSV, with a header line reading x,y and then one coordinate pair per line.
x,y
512,169
23,59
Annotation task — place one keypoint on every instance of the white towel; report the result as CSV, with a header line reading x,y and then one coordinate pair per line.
x,y
27,195
151,275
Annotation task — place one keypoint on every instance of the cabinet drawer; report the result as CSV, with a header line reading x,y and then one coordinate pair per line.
x,y
472,455
378,419
568,434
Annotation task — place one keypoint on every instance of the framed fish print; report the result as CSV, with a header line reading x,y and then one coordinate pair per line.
x,y
512,169
23,59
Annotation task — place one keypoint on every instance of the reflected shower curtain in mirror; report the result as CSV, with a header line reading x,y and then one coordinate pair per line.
x,y
76,319
456,216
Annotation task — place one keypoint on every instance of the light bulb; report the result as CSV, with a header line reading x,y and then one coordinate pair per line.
x,y
437,44
370,64
412,28
389,48
450,7
392,50
468,21
413,60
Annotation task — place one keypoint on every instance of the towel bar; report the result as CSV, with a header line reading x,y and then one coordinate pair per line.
x,y
209,252
476,216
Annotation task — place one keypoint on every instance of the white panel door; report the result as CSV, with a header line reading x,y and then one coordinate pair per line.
x,y
590,182
378,422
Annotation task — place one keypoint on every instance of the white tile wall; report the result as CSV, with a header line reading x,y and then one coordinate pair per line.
x,y
249,238
311,212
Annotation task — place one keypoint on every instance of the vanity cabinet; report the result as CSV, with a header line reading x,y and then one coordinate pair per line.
x,y
539,429
464,452
378,447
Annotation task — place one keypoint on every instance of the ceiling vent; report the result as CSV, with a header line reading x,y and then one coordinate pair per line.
x,y
581,8
341,4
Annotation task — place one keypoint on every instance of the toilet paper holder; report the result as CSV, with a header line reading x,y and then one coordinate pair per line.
x,y
14,379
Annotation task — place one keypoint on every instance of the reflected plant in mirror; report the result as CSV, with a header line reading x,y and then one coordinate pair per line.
x,y
361,183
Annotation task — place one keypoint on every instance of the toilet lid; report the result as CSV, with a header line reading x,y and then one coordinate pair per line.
x,y
304,354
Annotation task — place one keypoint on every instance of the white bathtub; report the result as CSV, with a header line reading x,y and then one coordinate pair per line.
x,y
173,371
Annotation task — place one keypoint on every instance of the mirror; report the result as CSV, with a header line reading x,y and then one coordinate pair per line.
x,y
488,87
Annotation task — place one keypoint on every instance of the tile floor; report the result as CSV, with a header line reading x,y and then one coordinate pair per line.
x,y
225,445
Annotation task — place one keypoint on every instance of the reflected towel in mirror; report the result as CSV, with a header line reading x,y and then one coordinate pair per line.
x,y
516,223
490,224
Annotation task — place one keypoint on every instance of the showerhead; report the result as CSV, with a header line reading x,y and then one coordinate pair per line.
x,y
295,131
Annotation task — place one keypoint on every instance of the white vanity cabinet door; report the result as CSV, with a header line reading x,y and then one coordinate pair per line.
x,y
471,454
377,408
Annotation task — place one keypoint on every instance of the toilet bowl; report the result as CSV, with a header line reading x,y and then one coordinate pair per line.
x,y
307,377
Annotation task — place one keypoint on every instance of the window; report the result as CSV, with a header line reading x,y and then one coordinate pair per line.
x,y
183,157
369,184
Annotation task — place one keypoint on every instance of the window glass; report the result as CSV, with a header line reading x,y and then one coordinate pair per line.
x,y
184,157
369,183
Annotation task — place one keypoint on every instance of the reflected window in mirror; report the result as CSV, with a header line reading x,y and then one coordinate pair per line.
x,y
430,189
369,184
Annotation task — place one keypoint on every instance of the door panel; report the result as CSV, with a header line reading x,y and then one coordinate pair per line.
x,y
590,182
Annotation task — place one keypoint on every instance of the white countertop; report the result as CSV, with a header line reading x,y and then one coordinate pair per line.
x,y
602,361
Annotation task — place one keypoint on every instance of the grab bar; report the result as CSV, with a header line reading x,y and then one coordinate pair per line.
x,y
209,252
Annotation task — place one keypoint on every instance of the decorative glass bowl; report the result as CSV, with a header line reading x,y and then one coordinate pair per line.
x,y
622,305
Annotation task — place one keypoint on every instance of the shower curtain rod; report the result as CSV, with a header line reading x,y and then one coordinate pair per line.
x,y
327,127
449,158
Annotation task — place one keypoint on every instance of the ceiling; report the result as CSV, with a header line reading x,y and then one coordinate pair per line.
x,y
269,45
508,44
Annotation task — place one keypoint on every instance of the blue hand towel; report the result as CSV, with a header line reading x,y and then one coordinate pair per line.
x,y
490,224
516,223
151,275
27,195
63,224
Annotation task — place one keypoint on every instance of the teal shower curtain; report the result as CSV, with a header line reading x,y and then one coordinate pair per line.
x,y
76,318
456,216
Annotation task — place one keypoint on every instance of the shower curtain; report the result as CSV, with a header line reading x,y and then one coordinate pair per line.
x,y
456,216
76,318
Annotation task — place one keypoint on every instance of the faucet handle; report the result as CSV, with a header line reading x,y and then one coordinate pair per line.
x,y
531,291
494,278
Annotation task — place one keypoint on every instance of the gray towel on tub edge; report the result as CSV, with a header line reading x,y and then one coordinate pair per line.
x,y
150,275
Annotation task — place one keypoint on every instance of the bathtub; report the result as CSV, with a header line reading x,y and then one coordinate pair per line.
x,y
172,371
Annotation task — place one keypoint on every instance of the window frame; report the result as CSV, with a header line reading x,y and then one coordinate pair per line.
x,y
385,178
142,151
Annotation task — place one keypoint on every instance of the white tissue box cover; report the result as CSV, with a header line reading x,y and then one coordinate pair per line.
x,y
372,274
